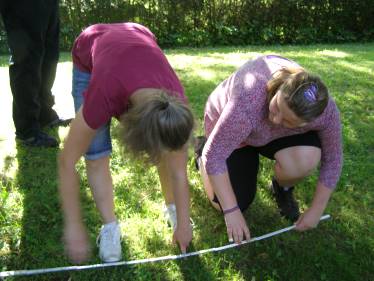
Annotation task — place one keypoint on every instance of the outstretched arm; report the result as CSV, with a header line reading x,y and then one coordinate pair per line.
x,y
173,176
237,229
242,97
310,218
76,144
331,165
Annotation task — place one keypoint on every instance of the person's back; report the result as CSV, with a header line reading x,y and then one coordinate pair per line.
x,y
117,37
121,59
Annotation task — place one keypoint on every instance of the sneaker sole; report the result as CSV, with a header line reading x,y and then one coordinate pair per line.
x,y
111,260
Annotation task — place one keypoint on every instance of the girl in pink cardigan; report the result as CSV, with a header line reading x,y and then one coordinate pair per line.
x,y
273,107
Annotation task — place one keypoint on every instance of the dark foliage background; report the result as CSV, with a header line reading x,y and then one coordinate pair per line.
x,y
226,22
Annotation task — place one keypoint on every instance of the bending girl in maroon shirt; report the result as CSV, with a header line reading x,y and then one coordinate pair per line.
x,y
119,71
273,107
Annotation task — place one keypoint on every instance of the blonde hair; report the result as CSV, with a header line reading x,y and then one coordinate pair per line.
x,y
160,123
294,84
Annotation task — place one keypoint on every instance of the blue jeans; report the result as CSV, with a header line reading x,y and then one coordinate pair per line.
x,y
101,144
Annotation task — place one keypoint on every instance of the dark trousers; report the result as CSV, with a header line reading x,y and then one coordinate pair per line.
x,y
32,29
243,164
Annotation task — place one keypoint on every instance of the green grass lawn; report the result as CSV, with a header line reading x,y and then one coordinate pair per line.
x,y
341,248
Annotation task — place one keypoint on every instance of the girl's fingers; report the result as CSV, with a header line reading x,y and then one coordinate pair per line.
x,y
240,237
247,234
230,235
236,237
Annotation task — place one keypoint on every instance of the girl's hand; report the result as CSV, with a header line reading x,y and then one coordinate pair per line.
x,y
237,228
183,236
312,216
309,219
76,243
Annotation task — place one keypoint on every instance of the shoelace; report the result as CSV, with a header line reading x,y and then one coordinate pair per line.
x,y
106,235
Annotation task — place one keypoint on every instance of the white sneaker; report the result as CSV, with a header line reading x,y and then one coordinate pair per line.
x,y
109,242
170,214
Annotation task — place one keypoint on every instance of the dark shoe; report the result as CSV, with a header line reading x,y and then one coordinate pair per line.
x,y
198,148
59,123
287,204
41,139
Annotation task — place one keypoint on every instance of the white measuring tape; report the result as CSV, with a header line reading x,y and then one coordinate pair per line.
x,y
174,257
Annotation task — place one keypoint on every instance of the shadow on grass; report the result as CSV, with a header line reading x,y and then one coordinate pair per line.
x,y
41,243
189,266
324,253
41,222
274,258
250,259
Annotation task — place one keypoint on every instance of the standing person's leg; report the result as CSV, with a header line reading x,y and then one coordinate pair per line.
x,y
99,177
24,26
295,158
49,65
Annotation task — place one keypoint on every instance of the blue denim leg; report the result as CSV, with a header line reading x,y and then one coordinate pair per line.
x,y
101,144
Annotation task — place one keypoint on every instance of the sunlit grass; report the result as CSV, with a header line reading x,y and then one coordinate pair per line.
x,y
339,249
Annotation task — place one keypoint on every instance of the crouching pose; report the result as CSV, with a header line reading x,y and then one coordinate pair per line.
x,y
120,71
273,107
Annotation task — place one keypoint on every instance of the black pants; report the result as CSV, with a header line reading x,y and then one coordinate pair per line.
x,y
243,164
32,29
